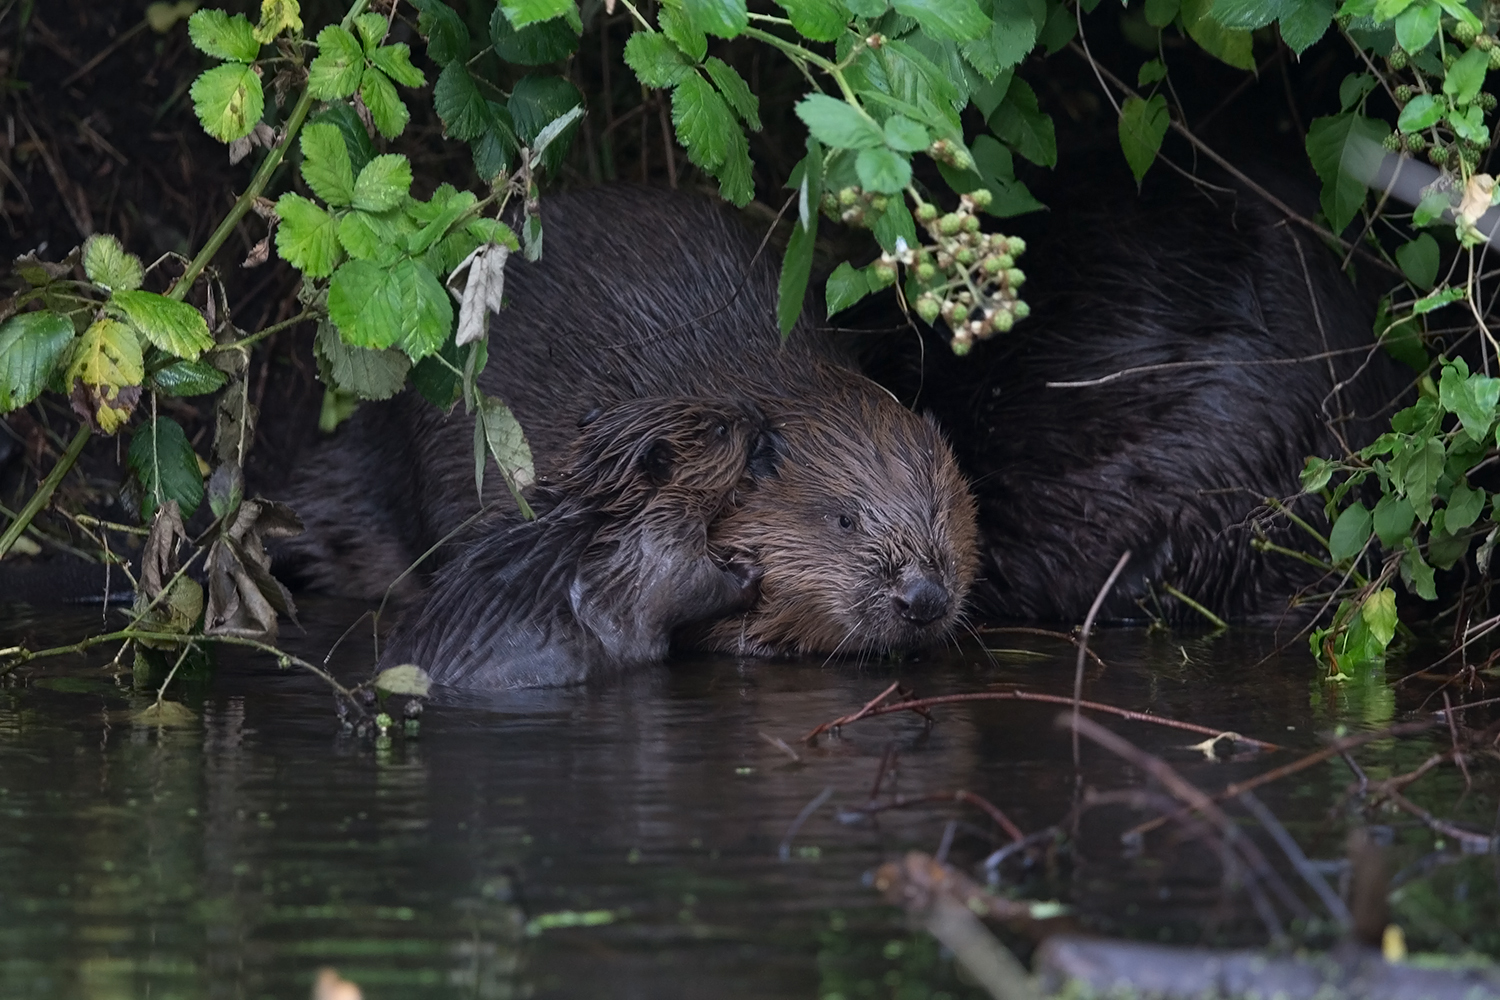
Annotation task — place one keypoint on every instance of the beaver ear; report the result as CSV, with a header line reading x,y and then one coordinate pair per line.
x,y
765,454
590,416
657,462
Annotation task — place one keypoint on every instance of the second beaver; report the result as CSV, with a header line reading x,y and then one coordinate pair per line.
x,y
865,537
616,561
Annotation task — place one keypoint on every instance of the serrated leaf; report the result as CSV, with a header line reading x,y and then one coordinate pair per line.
x,y
108,265
1250,14
534,45
459,103
442,215
736,185
520,13
1143,125
372,30
380,237
686,35
341,115
883,170
386,108
166,467
497,431
215,33
325,164
1466,76
1471,397
819,20
837,124
107,360
905,135
1305,23
447,35
188,378
365,373
735,90
955,20
307,237
173,326
339,64
32,345
383,183
1012,35
538,105
796,269
1340,147
228,101
407,679
703,121
1422,111
379,307
1024,127
395,62
724,18
1228,45
1350,533
655,61
277,16
1419,261
846,286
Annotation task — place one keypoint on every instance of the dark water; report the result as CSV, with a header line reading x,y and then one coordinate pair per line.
x,y
235,856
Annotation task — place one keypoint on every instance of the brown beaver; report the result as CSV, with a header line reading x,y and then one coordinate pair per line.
x,y
865,536
617,560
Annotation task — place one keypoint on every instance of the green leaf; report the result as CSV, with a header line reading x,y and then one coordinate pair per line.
x,y
1011,36
534,45
1416,469
725,18
955,20
1465,504
1250,14
173,326
523,12
395,62
846,286
1305,23
438,215
735,90
407,679
379,307
378,237
447,35
166,467
1151,71
1466,76
1143,125
1350,533
705,125
1417,575
1024,127
1229,45
32,345
1160,13
905,135
228,101
1059,30
325,164
338,67
108,265
1379,614
372,30
215,33
1417,25
107,359
188,378
460,104
536,102
1419,261
365,373
1422,111
655,61
1354,88
1393,520
838,124
386,108
818,20
497,430
308,237
796,269
277,16
1340,148
1472,398
735,183
1438,299
679,28
341,115
383,183
883,170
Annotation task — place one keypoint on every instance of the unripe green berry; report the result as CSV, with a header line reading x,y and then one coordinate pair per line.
x,y
971,224
1017,246
1003,321
878,202
1392,142
1485,100
926,272
926,212
1485,42
981,197
1397,59
1449,58
960,347
950,224
848,196
1015,277
830,203
964,256
1465,32
928,308
1437,154
958,159
1020,310
1414,143
1495,57
885,272
993,264
1005,260
1402,93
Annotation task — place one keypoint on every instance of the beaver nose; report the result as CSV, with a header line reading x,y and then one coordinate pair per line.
x,y
922,601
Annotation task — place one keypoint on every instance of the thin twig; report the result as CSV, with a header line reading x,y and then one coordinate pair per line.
x,y
1083,642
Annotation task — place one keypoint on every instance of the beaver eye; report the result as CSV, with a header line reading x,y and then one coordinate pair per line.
x,y
846,522
721,429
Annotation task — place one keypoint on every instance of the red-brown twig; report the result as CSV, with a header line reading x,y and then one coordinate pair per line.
x,y
873,707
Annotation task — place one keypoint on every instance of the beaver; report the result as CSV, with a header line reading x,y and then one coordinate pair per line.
x,y
865,538
615,562
1216,346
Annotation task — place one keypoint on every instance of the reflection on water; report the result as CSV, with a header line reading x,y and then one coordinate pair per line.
x,y
234,857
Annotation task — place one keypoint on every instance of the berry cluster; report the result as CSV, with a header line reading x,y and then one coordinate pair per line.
x,y
968,277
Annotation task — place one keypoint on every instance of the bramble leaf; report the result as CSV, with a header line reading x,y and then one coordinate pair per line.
x,y
380,307
724,18
1024,126
735,90
520,13
188,378
1229,45
954,20
1422,111
32,345
107,360
338,67
173,326
1011,36
883,170
307,238
365,373
655,61
838,124
108,265
383,183
374,236
447,35
166,467
1419,261
846,286
535,44
215,33
497,431
395,62
1305,23
819,20
325,164
1339,146
705,125
905,135
228,101
372,30
386,108
540,106
277,16
1143,125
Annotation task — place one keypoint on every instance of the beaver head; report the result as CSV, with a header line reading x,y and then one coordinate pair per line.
x,y
865,535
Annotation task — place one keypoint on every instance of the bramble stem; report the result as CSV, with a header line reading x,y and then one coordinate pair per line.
x,y
44,490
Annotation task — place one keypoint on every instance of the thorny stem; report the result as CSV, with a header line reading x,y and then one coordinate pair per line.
x,y
44,490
